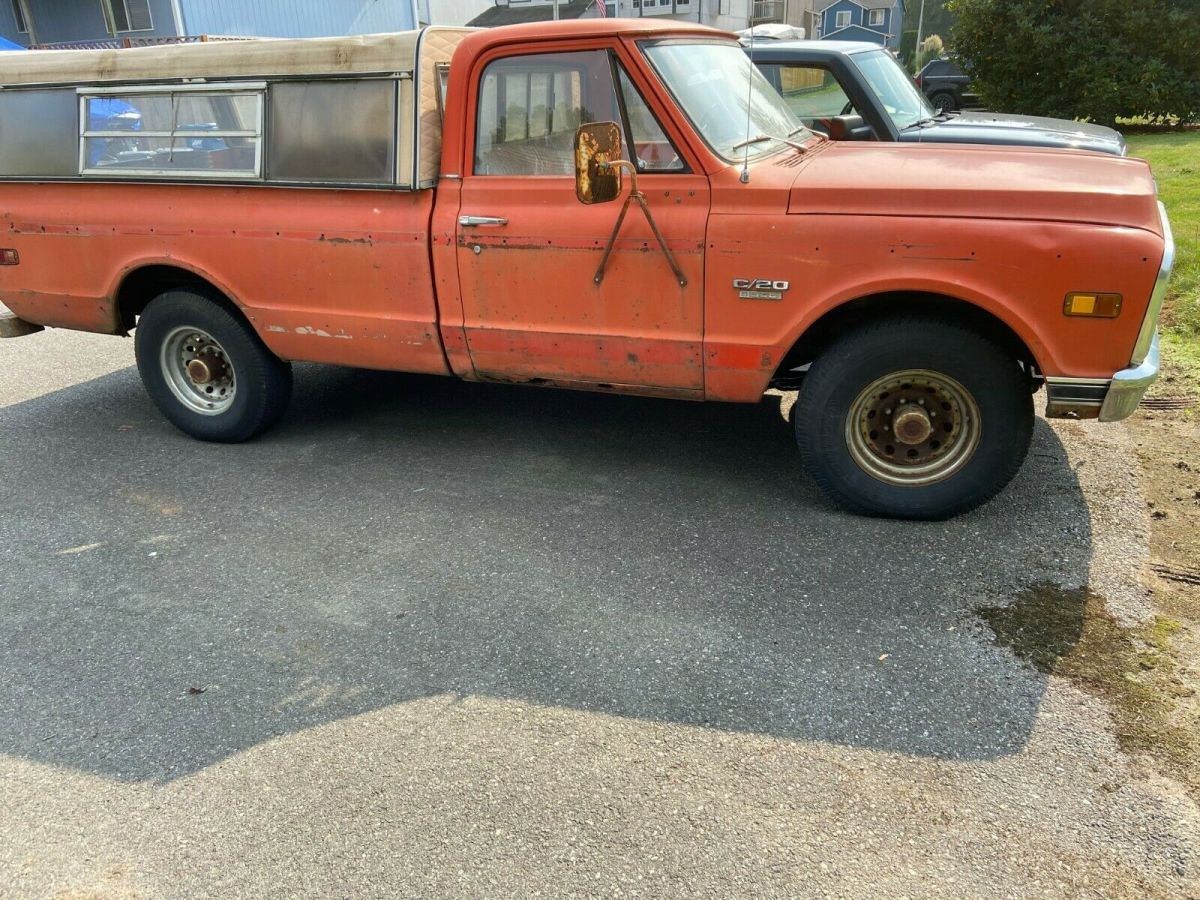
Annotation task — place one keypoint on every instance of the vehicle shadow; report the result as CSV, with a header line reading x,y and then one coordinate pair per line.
x,y
170,603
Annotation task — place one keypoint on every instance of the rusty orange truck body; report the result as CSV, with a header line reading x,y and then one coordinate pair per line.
x,y
803,260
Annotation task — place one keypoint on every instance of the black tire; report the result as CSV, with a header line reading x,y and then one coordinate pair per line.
x,y
846,379
944,102
257,384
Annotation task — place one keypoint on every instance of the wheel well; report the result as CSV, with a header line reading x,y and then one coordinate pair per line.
x,y
850,315
142,285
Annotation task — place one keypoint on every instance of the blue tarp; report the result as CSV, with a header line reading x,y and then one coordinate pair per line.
x,y
6,44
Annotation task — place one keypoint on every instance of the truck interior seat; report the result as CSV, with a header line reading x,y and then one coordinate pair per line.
x,y
549,155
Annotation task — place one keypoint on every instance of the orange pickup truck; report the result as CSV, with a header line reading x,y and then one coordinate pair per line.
x,y
621,206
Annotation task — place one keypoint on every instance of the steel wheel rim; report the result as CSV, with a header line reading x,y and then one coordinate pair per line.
x,y
928,421
198,370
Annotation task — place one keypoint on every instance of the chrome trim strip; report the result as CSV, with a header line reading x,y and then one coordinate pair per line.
x,y
1149,332
1062,379
1129,385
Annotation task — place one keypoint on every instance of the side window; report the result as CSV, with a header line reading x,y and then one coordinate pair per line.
x,y
196,132
530,106
810,91
341,130
653,151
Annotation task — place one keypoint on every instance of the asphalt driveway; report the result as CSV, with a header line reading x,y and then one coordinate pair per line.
x,y
437,638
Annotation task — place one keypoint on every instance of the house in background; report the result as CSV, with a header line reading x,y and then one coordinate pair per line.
x,y
117,22
877,21
728,15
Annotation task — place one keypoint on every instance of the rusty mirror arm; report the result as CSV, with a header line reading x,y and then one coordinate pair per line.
x,y
598,168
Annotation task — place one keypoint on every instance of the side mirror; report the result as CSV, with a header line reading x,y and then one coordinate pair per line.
x,y
850,128
597,145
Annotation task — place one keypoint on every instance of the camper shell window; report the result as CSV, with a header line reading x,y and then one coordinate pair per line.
x,y
39,133
340,131
202,132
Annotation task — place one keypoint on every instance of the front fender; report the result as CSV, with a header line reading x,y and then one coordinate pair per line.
x,y
1017,271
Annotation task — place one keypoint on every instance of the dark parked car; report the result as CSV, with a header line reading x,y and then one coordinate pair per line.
x,y
944,84
857,91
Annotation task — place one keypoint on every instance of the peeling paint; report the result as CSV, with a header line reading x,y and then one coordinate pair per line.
x,y
320,332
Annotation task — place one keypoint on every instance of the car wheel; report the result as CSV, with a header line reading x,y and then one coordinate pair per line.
x,y
944,102
913,419
206,370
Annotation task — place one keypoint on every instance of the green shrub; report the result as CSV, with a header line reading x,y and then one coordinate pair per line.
x,y
1083,59
908,46
931,48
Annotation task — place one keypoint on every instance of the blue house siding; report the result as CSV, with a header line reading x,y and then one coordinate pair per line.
x,y
301,18
859,33
860,29
8,24
829,15
82,20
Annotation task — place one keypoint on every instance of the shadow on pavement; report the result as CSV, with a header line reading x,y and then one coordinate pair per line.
x,y
400,537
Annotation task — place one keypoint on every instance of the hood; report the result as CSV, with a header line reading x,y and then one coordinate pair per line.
x,y
1032,131
975,181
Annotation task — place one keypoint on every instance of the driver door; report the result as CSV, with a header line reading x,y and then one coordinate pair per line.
x,y
528,250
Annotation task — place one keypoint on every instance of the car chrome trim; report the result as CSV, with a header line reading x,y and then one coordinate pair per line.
x,y
1129,385
1149,332
1075,398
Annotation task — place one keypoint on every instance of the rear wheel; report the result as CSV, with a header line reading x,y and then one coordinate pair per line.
x,y
914,419
943,102
207,371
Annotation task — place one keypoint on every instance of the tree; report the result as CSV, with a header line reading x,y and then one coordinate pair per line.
x,y
1083,59
939,19
936,20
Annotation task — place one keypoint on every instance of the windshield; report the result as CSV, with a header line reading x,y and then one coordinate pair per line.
x,y
713,83
902,99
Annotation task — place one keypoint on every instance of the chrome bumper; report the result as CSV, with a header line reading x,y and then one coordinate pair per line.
x,y
1128,386
1106,399
1113,399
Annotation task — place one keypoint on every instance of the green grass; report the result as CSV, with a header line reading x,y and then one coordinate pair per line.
x,y
1175,159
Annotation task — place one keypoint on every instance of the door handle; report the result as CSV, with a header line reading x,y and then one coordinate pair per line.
x,y
472,221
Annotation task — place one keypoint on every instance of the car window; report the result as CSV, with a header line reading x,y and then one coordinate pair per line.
x,y
944,67
653,151
810,91
530,106
725,97
899,96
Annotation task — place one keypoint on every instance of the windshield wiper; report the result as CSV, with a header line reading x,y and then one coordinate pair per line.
x,y
759,138
811,133
928,120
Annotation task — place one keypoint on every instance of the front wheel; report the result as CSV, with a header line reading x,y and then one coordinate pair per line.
x,y
913,419
206,370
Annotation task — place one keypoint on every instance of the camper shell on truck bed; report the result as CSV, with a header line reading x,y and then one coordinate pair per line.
x,y
318,83
623,206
